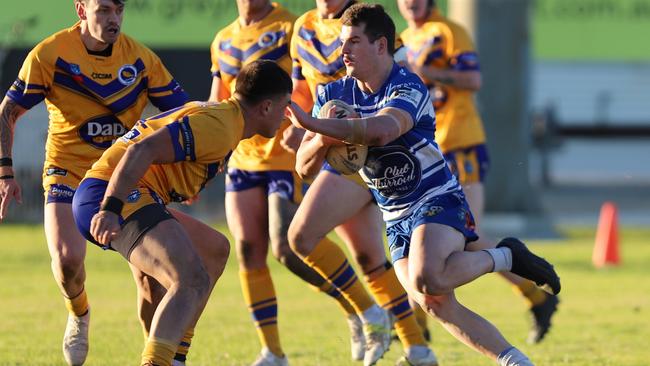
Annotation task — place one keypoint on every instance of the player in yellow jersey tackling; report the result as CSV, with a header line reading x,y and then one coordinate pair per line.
x,y
262,188
317,60
95,82
442,54
120,204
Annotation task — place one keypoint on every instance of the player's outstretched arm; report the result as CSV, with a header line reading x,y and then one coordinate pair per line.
x,y
10,111
378,130
154,149
467,80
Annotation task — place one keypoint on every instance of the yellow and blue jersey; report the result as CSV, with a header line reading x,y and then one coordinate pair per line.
x,y
316,50
444,44
203,135
91,99
236,46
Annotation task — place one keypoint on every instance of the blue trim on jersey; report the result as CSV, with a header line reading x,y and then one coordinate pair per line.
x,y
276,54
228,69
296,73
171,86
328,69
324,49
171,101
104,91
243,55
466,61
432,56
26,101
69,83
174,133
130,99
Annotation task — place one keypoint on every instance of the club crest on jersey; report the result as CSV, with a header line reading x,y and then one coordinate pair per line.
x,y
267,39
393,171
100,132
127,74
75,69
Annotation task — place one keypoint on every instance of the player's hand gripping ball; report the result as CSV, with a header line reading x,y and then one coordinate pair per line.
x,y
346,159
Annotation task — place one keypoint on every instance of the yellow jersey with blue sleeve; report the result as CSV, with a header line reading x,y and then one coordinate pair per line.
x,y
203,135
441,43
91,100
238,45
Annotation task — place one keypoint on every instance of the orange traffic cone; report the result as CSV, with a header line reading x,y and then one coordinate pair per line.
x,y
606,246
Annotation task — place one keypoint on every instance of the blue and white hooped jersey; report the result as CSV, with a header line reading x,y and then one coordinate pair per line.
x,y
410,170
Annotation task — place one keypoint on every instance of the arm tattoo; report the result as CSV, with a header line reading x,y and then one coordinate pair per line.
x,y
9,113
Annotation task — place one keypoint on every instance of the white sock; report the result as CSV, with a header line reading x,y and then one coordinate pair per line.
x,y
513,357
373,314
502,258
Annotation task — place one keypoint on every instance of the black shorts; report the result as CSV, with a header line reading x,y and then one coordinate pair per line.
x,y
136,225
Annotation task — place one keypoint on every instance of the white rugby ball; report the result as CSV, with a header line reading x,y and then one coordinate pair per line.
x,y
346,159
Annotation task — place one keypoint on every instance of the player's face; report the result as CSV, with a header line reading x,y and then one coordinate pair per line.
x,y
413,10
359,54
328,7
251,6
104,19
274,115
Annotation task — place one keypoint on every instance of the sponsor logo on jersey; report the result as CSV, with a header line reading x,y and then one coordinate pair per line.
x,y
393,171
127,74
130,135
407,94
56,171
61,191
267,39
100,132
100,75
134,196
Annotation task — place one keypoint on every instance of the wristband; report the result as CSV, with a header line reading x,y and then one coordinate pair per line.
x,y
112,204
6,162
3,177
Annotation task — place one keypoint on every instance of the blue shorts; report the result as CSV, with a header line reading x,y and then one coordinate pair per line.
x,y
450,209
141,201
283,182
470,164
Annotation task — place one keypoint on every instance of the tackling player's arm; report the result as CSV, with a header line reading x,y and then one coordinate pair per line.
x,y
154,149
387,125
462,79
10,111
292,136
219,91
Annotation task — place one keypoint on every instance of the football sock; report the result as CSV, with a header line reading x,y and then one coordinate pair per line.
x,y
158,352
330,261
259,295
502,258
184,345
77,305
533,294
332,291
391,296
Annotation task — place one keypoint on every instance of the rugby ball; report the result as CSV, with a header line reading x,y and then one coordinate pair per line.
x,y
346,159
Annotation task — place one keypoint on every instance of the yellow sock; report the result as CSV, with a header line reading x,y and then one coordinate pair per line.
x,y
420,317
533,294
259,295
332,291
390,294
158,352
184,346
329,260
77,305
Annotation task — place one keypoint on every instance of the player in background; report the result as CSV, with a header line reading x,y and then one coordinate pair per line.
x,y
120,204
95,82
317,60
427,218
262,189
442,54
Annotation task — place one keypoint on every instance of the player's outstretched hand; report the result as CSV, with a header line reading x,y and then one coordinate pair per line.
x,y
291,138
9,189
104,227
298,117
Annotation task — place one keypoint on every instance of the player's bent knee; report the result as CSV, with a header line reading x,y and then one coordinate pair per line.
x,y
431,285
297,242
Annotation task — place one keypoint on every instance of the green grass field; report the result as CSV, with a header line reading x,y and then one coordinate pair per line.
x,y
604,317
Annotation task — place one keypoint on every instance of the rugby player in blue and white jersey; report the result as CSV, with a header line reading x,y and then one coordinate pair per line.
x,y
427,218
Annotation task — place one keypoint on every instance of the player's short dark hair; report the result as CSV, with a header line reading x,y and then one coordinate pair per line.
x,y
377,22
262,79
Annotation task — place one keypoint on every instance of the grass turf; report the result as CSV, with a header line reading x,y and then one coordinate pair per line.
x,y
604,316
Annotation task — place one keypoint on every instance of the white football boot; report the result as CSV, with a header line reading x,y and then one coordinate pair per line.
x,y
357,339
268,358
75,339
418,356
377,336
